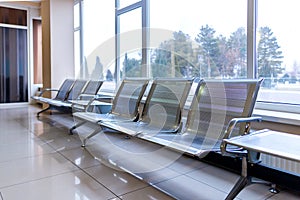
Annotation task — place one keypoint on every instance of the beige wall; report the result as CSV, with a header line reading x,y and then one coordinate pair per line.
x,y
46,46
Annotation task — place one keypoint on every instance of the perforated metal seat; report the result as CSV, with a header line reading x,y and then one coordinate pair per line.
x,y
61,94
76,89
124,107
220,109
89,92
162,109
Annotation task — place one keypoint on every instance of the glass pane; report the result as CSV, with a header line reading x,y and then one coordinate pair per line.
x,y
206,39
278,57
76,15
99,43
131,44
77,51
13,65
124,3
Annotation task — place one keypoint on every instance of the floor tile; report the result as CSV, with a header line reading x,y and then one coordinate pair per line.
x,y
11,127
64,143
68,186
184,187
291,195
255,192
80,157
156,176
45,122
186,164
34,123
148,193
65,120
32,168
117,181
15,137
40,160
30,148
136,164
51,133
216,177
128,155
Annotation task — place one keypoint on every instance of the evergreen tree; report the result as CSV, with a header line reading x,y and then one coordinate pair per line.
x,y
269,55
223,57
237,53
173,57
132,67
161,61
209,52
183,53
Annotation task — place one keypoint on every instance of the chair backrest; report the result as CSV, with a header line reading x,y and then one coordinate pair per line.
x,y
215,103
64,90
165,102
76,89
128,97
92,87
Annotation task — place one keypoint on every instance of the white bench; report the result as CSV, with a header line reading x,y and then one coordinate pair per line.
x,y
266,141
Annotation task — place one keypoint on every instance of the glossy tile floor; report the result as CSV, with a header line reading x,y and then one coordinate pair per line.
x,y
40,160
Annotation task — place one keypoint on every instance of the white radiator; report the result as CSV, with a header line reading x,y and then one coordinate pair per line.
x,y
281,164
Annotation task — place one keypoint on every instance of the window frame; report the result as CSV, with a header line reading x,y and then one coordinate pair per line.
x,y
144,5
79,29
252,65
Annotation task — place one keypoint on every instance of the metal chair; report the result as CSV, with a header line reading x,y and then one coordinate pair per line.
x,y
220,109
61,95
162,109
61,102
125,106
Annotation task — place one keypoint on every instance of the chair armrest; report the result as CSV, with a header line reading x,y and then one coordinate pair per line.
x,y
229,129
82,104
86,108
47,90
233,122
86,95
104,98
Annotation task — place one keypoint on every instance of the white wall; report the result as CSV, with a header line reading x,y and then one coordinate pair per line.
x,y
62,41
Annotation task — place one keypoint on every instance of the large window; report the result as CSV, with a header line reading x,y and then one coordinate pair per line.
x,y
94,40
197,38
130,41
77,37
207,38
278,59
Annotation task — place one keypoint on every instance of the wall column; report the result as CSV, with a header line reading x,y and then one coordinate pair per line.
x,y
46,45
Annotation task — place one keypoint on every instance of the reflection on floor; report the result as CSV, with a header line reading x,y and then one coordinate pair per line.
x,y
40,160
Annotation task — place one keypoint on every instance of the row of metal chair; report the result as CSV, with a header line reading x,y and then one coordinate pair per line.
x,y
69,94
219,109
